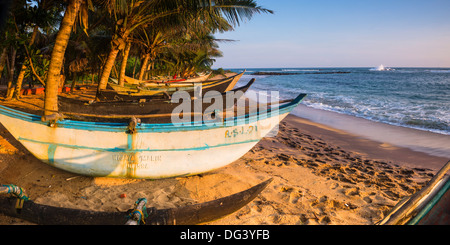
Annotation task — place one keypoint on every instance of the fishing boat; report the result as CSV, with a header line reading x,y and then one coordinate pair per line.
x,y
149,106
429,206
200,78
142,150
381,68
155,89
186,215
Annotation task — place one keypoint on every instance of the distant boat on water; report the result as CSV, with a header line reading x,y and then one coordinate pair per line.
x,y
381,68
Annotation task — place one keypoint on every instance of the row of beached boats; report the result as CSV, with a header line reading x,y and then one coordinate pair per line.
x,y
129,132
119,137
135,136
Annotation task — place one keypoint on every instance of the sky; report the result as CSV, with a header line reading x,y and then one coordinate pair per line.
x,y
341,33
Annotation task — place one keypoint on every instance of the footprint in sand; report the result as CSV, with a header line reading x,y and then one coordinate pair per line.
x,y
352,192
367,199
325,220
294,193
334,186
295,196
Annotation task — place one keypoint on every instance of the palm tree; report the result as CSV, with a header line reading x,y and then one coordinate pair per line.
x,y
57,56
21,75
151,42
191,35
42,14
123,65
130,15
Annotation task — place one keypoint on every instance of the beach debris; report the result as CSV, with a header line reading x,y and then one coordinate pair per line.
x,y
71,178
350,206
123,195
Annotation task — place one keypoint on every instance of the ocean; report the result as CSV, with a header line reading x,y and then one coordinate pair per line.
x,y
413,98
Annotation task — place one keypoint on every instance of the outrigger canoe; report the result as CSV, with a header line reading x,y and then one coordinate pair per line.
x,y
145,150
155,89
187,215
199,78
429,206
143,106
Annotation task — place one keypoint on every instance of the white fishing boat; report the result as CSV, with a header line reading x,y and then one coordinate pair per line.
x,y
145,151
381,68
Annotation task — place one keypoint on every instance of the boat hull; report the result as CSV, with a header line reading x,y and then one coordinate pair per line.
x,y
153,151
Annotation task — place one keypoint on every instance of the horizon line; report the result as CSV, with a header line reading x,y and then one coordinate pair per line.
x,y
274,67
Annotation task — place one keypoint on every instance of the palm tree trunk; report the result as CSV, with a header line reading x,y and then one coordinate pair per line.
x,y
2,61
123,66
12,64
116,45
107,68
144,67
74,81
134,67
24,67
56,61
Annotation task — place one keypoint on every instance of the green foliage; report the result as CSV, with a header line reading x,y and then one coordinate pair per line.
x,y
40,65
176,34
219,71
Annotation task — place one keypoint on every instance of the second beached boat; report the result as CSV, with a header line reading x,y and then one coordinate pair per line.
x,y
155,89
200,78
150,106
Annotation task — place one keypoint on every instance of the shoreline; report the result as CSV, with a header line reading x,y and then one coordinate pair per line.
x,y
429,142
369,147
322,175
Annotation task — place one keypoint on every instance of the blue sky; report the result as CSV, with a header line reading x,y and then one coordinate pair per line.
x,y
341,33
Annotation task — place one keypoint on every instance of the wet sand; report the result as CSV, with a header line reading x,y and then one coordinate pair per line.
x,y
418,140
322,175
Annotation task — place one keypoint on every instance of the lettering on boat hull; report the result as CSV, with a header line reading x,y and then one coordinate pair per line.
x,y
244,130
137,160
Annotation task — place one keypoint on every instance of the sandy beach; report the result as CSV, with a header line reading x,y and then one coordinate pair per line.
x,y
321,175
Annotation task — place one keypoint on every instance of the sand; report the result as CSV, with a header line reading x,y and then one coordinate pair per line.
x,y
321,175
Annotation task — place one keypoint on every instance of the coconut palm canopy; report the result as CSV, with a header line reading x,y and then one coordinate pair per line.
x,y
46,41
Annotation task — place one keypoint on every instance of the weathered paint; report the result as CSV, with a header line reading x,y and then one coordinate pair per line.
x,y
153,151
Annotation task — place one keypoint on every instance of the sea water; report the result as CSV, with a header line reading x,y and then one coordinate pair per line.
x,y
413,98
